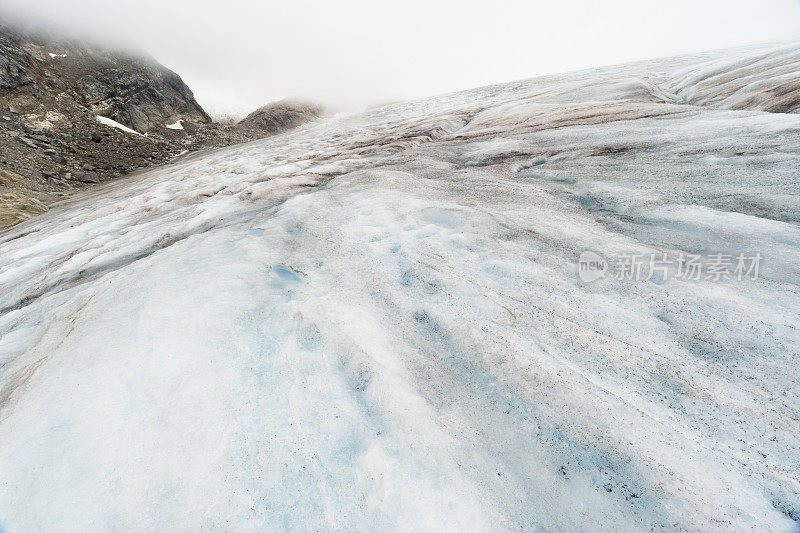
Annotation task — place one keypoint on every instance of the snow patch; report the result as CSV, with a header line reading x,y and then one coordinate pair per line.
x,y
114,124
176,126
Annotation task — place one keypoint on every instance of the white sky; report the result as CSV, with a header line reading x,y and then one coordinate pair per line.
x,y
237,55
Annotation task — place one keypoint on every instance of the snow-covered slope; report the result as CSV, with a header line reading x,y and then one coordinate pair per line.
x,y
377,321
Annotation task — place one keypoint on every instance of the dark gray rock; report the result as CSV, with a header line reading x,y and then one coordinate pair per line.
x,y
87,177
13,72
29,142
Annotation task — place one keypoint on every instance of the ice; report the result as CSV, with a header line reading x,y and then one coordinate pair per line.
x,y
375,322
764,79
114,124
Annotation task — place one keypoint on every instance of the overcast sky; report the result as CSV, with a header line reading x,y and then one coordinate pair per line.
x,y
239,54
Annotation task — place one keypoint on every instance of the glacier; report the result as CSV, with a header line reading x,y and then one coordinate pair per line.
x,y
376,321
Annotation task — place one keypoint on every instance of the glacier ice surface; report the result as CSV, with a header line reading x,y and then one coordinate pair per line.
x,y
375,321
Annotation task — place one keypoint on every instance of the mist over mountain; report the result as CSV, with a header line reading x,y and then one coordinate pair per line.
x,y
351,54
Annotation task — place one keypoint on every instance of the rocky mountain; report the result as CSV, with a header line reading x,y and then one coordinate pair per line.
x,y
279,116
73,114
39,73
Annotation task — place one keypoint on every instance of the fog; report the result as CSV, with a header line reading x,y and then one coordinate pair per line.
x,y
240,54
